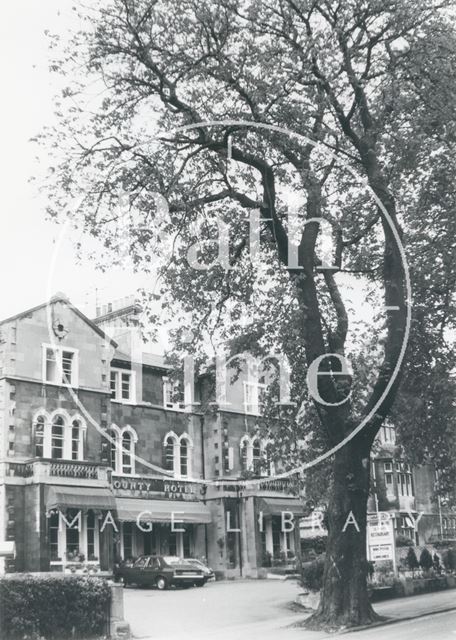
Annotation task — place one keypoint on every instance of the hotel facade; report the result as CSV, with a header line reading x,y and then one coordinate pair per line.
x,y
100,461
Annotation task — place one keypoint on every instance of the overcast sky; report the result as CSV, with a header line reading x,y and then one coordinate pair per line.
x,y
28,242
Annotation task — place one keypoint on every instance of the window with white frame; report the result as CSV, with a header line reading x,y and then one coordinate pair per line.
x,y
177,454
127,453
254,455
184,457
388,474
173,394
254,393
39,432
112,448
58,436
73,534
60,365
122,385
122,445
257,455
169,452
245,453
405,484
77,440
387,435
406,526
404,479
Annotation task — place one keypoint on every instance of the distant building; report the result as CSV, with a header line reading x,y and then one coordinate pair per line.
x,y
404,491
407,493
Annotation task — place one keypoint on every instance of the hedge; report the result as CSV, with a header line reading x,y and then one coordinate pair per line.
x,y
53,608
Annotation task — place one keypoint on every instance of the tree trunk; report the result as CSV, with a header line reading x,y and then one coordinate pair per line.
x,y
344,600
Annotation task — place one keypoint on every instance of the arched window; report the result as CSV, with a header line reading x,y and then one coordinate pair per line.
x,y
77,441
112,448
256,455
122,449
244,453
127,452
169,447
57,437
39,431
184,457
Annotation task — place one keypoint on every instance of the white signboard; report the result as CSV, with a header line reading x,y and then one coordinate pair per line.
x,y
381,552
7,548
380,537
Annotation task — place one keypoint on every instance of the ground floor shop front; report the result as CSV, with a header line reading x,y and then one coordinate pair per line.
x,y
88,526
161,527
251,535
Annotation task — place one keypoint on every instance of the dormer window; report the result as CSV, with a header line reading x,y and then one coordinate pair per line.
x,y
122,385
60,365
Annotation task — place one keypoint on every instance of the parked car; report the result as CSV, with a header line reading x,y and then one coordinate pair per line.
x,y
161,572
208,572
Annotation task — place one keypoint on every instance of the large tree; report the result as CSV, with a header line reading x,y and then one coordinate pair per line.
x,y
193,101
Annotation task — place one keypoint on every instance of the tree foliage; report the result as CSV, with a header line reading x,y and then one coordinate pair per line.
x,y
333,111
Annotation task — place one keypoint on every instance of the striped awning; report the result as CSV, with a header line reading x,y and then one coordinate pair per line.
x,y
277,506
138,510
80,498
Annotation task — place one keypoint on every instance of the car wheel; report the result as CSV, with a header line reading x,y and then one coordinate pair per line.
x,y
201,583
161,583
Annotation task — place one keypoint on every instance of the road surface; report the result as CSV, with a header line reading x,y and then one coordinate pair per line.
x,y
260,610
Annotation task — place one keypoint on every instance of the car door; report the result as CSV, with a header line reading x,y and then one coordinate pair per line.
x,y
139,573
154,570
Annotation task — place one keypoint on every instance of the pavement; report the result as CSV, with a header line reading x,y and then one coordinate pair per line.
x,y
261,610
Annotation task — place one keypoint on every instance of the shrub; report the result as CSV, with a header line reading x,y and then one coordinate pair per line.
x,y
50,607
411,560
403,541
449,559
267,559
370,569
425,560
312,574
316,544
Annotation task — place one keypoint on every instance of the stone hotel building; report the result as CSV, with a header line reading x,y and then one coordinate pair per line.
x,y
91,444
